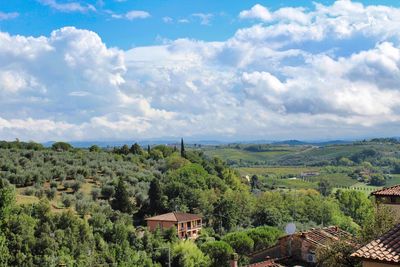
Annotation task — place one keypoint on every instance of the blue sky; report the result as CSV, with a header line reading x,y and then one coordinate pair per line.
x,y
227,70
36,18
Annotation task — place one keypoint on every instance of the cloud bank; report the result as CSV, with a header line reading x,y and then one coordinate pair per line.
x,y
328,72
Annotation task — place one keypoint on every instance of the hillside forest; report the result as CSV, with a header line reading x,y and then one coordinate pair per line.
x,y
66,206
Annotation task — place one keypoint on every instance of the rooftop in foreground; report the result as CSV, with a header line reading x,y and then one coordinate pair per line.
x,y
384,249
388,191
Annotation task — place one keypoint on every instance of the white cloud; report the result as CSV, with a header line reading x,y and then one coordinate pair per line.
x,y
7,16
328,72
137,14
256,12
167,19
132,15
183,21
68,7
205,19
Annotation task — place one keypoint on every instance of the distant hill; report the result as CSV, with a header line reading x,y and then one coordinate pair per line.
x,y
302,143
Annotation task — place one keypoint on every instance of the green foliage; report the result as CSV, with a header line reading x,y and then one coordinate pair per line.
x,y
337,254
121,200
156,205
264,236
4,253
325,187
377,179
61,146
219,252
240,242
381,221
136,149
187,254
94,148
7,199
355,204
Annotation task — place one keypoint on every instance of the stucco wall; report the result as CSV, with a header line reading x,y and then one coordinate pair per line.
x,y
377,264
152,225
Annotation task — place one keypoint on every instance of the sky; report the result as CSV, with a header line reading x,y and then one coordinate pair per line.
x,y
84,70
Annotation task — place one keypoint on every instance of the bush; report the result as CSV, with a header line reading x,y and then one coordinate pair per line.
x,y
67,200
219,252
51,193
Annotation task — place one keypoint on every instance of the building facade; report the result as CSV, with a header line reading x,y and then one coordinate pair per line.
x,y
300,248
389,197
188,226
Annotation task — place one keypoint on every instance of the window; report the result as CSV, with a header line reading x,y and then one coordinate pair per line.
x,y
311,257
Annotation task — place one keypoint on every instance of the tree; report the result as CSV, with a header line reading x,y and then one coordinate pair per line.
x,y
7,199
121,200
337,254
381,222
377,179
183,152
355,204
136,149
94,148
61,146
4,253
155,197
107,191
264,236
325,187
219,252
254,182
187,254
240,242
124,150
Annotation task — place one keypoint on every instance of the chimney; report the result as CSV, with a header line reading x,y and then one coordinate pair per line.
x,y
234,260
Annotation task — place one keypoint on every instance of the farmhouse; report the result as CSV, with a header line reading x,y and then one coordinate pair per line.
x,y
301,247
187,225
381,252
389,197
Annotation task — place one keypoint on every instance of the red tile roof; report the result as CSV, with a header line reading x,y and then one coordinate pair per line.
x,y
321,236
388,191
267,263
385,248
175,217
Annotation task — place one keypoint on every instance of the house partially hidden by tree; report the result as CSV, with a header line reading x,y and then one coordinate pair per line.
x,y
381,252
187,225
389,197
300,248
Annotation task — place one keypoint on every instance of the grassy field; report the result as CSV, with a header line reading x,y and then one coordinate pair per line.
x,y
281,170
290,183
394,180
56,203
302,155
238,154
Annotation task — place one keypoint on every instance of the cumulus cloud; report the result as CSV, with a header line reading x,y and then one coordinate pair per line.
x,y
256,12
326,72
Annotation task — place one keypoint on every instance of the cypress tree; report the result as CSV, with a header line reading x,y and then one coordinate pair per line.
x,y
121,201
155,195
183,153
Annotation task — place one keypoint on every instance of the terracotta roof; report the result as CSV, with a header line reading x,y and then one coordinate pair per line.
x,y
388,191
175,217
321,236
267,263
385,248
